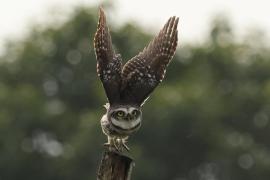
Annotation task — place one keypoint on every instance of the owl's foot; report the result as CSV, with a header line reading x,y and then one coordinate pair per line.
x,y
110,145
120,145
107,145
117,144
124,141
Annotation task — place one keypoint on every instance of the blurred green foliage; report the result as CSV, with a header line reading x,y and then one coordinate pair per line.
x,y
209,119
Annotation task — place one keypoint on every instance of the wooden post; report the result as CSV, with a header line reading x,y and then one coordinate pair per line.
x,y
115,166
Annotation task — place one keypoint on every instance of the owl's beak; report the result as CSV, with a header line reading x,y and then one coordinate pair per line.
x,y
129,117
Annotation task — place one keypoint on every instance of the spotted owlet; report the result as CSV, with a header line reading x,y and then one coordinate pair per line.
x,y
128,86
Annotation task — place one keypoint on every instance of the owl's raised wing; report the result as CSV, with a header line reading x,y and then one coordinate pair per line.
x,y
144,72
109,64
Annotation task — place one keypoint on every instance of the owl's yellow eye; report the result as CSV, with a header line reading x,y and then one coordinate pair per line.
x,y
120,113
135,112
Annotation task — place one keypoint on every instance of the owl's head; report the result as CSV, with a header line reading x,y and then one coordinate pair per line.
x,y
126,117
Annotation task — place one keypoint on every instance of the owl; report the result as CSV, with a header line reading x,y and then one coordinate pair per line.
x,y
128,85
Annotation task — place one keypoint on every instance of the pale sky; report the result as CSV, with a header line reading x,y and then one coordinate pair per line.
x,y
16,16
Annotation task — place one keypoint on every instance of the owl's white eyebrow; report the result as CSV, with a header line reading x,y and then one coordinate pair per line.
x,y
122,109
131,109
126,110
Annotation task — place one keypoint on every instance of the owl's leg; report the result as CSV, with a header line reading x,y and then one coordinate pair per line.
x,y
118,144
110,141
113,144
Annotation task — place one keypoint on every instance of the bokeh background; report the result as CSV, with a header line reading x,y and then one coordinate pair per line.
x,y
209,120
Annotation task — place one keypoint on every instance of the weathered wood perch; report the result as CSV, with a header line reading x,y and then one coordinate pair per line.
x,y
115,166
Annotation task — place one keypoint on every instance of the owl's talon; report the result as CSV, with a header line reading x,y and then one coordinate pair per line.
x,y
117,145
107,144
125,146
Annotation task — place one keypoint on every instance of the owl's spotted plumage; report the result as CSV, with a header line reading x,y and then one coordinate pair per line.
x,y
128,86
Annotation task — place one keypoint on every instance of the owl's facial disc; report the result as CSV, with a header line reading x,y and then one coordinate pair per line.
x,y
126,114
126,118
